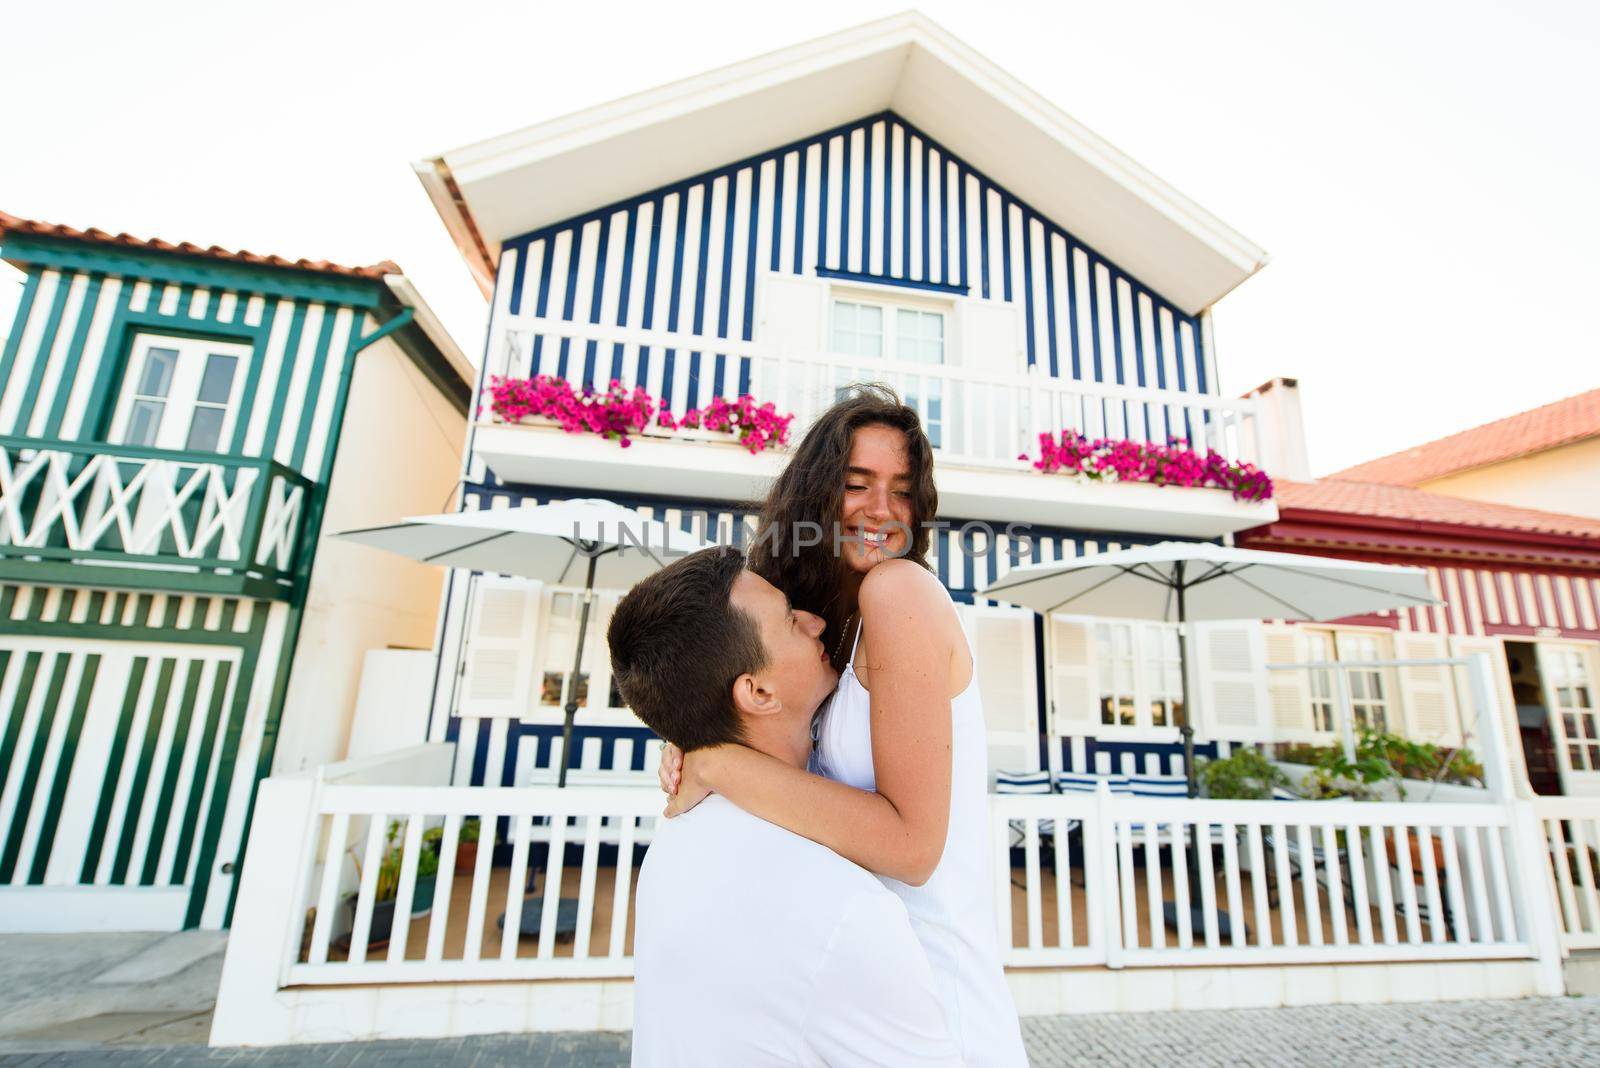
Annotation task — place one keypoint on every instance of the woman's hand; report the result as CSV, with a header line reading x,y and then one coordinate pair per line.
x,y
671,768
689,784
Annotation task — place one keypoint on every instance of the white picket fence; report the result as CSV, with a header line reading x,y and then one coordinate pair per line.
x,y
1572,833
1278,882
1272,882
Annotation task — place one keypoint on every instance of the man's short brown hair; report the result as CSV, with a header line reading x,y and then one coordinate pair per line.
x,y
677,645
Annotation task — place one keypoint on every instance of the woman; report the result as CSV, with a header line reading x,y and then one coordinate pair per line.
x,y
900,745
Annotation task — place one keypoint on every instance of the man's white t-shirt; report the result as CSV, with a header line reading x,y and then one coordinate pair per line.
x,y
754,946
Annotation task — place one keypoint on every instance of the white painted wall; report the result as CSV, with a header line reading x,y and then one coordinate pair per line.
x,y
399,455
1565,480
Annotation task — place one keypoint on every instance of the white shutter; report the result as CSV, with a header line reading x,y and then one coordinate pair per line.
x,y
1003,642
1074,692
991,336
1505,705
498,666
1233,687
596,654
794,311
1288,692
1428,692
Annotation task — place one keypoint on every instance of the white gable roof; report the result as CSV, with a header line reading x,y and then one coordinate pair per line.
x,y
518,182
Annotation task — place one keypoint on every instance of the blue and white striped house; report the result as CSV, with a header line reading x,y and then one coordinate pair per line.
x,y
178,427
882,204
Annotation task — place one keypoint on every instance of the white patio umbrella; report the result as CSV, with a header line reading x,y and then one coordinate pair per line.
x,y
605,543
1185,582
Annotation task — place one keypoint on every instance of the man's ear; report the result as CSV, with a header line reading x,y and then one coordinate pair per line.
x,y
751,698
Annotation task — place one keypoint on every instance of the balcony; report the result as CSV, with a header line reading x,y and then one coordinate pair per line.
x,y
980,423
113,515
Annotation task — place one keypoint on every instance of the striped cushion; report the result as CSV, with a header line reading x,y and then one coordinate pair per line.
x,y
1080,782
1158,786
1022,782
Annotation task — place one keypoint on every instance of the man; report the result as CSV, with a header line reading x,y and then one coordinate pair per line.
x,y
754,946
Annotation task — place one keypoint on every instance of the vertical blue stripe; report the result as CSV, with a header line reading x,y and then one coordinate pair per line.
x,y
822,203
648,316
1027,295
570,300
845,189
543,306
625,281
1005,244
983,235
777,215
1050,302
800,215
747,327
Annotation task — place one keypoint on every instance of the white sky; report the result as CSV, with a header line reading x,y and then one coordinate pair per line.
x,y
1425,174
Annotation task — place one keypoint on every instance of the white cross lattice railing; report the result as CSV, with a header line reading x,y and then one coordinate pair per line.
x,y
72,501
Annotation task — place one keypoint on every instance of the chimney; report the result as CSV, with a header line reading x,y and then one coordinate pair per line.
x,y
1281,430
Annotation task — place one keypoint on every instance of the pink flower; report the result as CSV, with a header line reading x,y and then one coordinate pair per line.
x,y
1172,464
618,411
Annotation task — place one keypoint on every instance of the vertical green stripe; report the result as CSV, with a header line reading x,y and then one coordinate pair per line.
x,y
19,323
230,755
169,614
19,709
142,603
202,774
308,408
280,388
252,382
169,780
41,357
36,601
97,605
202,608
108,789
230,613
30,774
69,371
108,372
8,600
69,752
141,773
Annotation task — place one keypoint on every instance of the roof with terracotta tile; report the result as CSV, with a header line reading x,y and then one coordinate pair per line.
x,y
11,224
1350,497
1561,423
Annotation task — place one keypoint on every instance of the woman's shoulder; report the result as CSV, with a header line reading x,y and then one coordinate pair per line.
x,y
904,585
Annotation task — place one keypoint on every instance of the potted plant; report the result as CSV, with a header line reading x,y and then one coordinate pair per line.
x,y
467,846
1244,776
387,886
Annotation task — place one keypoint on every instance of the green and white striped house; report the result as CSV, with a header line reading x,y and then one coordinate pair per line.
x,y
179,427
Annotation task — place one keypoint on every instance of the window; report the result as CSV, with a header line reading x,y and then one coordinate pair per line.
x,y
179,393
1369,694
1319,647
1141,675
905,334
1573,690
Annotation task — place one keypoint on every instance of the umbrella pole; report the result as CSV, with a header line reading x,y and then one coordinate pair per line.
x,y
572,684
1186,730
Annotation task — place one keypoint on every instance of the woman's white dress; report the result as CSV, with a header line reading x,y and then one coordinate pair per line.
x,y
953,912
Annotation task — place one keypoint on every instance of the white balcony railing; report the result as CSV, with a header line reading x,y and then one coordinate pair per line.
x,y
974,416
1572,833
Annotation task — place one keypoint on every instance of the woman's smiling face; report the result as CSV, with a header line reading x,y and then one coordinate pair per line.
x,y
875,513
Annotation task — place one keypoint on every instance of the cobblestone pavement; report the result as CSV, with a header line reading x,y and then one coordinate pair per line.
x,y
1540,1032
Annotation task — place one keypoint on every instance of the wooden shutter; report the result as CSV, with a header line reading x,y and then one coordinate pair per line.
x,y
1505,705
1002,639
1074,689
991,336
1428,692
498,666
793,314
1227,659
1288,692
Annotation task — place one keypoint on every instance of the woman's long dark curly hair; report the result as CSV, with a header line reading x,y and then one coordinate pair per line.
x,y
811,489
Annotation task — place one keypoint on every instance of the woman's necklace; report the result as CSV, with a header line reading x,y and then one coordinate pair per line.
x,y
845,633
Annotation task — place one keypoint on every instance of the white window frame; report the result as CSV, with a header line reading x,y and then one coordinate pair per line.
x,y
560,610
182,398
1578,737
891,304
1154,677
